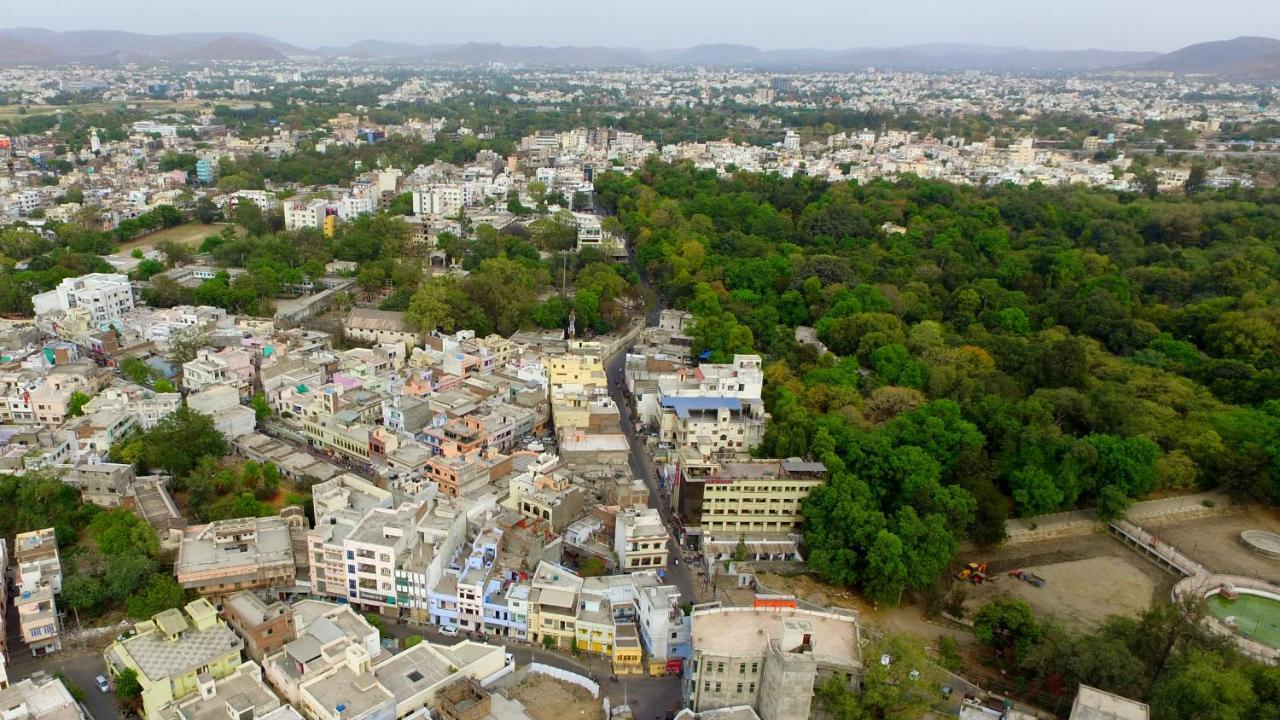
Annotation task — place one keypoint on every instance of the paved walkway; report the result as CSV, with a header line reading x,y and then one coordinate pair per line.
x,y
1158,551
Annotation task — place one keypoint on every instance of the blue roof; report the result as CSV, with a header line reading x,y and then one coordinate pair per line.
x,y
682,405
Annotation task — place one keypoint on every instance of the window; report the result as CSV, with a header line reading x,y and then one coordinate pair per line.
x,y
739,690
752,688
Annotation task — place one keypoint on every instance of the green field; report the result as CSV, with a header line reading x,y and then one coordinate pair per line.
x,y
1257,617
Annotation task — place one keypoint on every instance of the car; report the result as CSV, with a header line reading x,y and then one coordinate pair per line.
x,y
102,684
449,631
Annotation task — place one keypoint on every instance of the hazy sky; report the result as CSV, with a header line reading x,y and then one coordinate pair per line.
x,y
834,24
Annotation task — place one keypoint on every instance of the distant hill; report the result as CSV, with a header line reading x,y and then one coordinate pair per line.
x,y
234,48
1256,58
16,51
1246,58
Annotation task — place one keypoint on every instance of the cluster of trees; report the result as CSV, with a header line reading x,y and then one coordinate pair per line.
x,y
218,493
1165,657
112,557
905,687
120,566
990,350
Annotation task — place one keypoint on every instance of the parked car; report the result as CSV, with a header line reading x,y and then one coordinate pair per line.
x,y
102,684
449,631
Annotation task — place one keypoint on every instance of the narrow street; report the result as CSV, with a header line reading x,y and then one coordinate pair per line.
x,y
642,466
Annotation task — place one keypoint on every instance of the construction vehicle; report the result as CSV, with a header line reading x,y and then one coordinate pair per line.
x,y
1027,576
973,572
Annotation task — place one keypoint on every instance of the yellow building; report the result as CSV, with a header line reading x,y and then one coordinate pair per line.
x,y
594,628
553,605
628,658
172,649
759,497
577,368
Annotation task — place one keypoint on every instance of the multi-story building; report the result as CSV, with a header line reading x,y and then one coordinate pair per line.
x,y
173,651
771,659
553,498
712,427
264,627
640,539
373,550
239,554
737,499
660,618
553,606
222,404
38,579
106,296
240,694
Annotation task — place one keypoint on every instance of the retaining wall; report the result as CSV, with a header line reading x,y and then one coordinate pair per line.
x,y
581,681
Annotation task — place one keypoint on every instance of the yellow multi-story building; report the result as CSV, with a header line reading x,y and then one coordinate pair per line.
x,y
758,497
172,650
581,366
553,605
594,631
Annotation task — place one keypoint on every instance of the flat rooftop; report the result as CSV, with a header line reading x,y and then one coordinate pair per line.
x,y
1094,704
747,631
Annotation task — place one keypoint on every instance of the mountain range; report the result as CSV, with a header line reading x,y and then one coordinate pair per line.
x,y
1246,58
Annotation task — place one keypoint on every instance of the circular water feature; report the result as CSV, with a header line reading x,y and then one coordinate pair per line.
x,y
1253,614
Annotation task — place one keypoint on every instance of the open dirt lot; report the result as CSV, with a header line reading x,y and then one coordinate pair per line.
x,y
546,698
1086,579
191,234
1215,542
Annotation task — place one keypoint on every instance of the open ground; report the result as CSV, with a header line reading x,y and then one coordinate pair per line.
x,y
191,234
1215,542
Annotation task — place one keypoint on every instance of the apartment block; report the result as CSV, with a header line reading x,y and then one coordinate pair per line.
x,y
38,579
104,296
750,498
640,539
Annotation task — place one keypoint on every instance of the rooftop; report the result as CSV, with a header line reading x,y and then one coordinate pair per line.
x,y
747,631
1094,704
159,657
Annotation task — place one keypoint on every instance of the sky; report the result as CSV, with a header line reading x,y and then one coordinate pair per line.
x,y
1160,25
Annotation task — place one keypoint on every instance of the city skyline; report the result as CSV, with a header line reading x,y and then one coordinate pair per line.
x,y
669,24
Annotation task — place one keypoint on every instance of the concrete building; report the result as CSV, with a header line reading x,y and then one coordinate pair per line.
x,y
238,554
768,658
264,627
553,498
174,652
222,404
1094,704
240,695
38,578
380,326
105,296
640,540
553,606
41,698
324,631
736,499
104,484
712,427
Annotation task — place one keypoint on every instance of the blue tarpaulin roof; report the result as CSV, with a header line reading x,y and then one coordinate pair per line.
x,y
682,405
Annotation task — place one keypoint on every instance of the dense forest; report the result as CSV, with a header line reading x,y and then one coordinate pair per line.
x,y
992,351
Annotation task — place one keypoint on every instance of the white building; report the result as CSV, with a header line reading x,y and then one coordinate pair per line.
x,y
106,296
222,403
640,540
442,200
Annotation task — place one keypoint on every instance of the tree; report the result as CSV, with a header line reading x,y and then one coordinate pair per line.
x,y
175,253
249,216
180,439
206,211
261,408
886,569
1195,181
1112,503
119,531
75,404
903,688
126,574
1008,625
411,641
82,592
127,686
1203,684
161,593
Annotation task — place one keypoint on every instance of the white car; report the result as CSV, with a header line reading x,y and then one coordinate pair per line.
x,y
102,684
449,631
